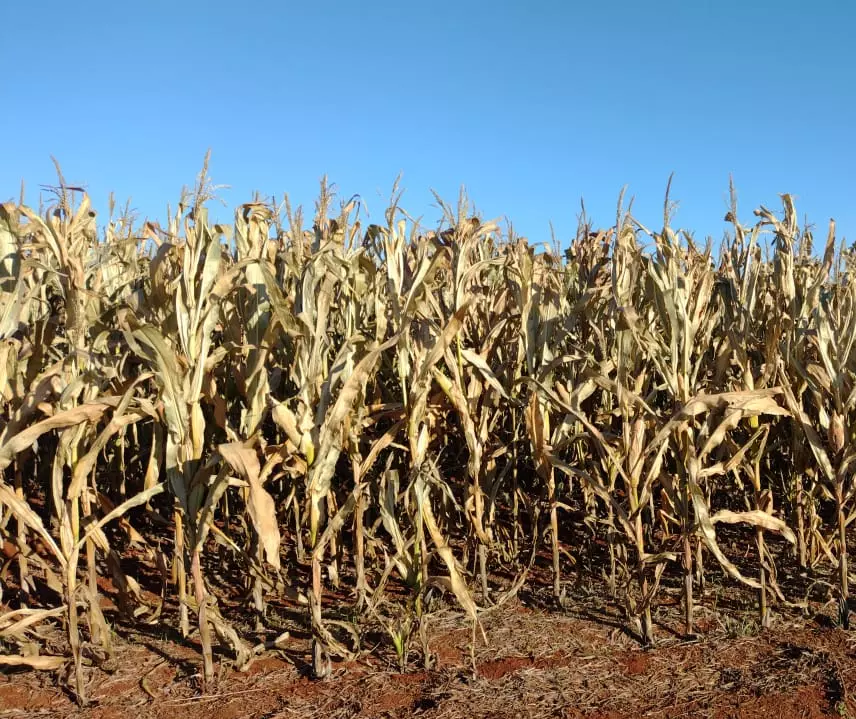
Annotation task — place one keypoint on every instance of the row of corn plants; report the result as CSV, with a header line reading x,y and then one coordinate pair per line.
x,y
390,414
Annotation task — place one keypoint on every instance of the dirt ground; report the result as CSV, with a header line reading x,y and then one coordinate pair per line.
x,y
538,662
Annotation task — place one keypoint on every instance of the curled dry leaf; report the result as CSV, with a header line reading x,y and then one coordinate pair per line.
x,y
245,462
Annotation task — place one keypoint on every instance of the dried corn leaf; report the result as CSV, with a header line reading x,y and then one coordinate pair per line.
x,y
245,462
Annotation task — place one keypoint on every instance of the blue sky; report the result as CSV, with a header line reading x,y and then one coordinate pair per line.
x,y
531,105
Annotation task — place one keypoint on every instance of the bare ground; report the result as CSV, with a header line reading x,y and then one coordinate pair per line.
x,y
538,662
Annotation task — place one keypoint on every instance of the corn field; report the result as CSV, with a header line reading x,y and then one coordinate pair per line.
x,y
397,416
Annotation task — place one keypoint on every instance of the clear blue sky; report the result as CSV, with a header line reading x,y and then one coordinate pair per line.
x,y
531,105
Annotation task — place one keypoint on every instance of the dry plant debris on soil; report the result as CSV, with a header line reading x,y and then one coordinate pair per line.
x,y
540,663
322,441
